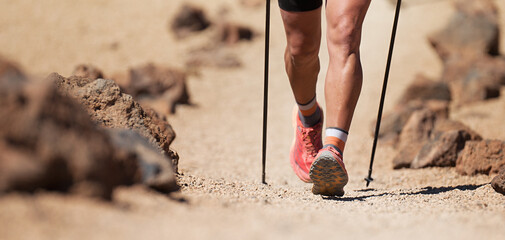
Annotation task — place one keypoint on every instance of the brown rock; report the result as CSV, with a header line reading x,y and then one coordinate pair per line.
x,y
157,87
111,108
498,182
446,125
439,108
87,71
414,135
9,73
157,170
393,122
423,88
440,140
405,156
469,48
474,79
188,20
230,33
481,157
150,79
165,135
48,141
472,31
443,149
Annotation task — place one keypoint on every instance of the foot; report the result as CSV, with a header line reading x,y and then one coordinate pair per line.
x,y
307,143
328,173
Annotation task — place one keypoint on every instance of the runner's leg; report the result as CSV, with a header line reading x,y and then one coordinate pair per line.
x,y
342,89
303,34
302,23
344,76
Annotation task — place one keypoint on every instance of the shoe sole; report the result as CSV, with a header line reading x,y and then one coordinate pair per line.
x,y
328,175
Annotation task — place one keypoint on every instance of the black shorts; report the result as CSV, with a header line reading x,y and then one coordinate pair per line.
x,y
300,5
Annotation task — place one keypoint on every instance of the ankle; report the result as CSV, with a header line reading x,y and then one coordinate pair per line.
x,y
309,113
336,138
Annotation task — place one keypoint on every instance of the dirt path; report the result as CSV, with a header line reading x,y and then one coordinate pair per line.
x,y
219,138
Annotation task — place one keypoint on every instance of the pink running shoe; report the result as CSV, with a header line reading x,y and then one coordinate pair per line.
x,y
305,146
328,173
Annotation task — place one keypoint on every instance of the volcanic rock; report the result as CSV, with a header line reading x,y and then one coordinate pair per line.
x,y
10,73
158,87
442,151
472,31
423,88
150,79
481,157
498,182
405,156
446,142
157,170
48,141
414,135
474,79
111,108
393,122
188,20
469,48
230,33
423,93
87,71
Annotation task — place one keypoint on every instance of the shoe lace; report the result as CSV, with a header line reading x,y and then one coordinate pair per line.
x,y
311,138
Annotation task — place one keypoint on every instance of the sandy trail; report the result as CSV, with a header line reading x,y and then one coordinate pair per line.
x,y
219,138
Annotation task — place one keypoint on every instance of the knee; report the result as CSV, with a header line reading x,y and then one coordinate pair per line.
x,y
344,35
303,50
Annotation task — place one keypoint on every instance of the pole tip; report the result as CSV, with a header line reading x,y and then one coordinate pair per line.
x,y
368,180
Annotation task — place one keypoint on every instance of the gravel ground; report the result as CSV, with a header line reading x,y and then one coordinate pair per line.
x,y
219,136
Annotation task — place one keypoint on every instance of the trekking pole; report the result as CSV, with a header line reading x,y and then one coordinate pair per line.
x,y
383,95
265,92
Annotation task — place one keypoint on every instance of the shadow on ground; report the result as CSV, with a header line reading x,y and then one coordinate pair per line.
x,y
424,191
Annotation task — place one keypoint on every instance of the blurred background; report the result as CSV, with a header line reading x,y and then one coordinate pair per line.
x,y
199,66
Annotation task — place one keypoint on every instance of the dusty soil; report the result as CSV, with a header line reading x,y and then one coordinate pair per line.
x,y
219,136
